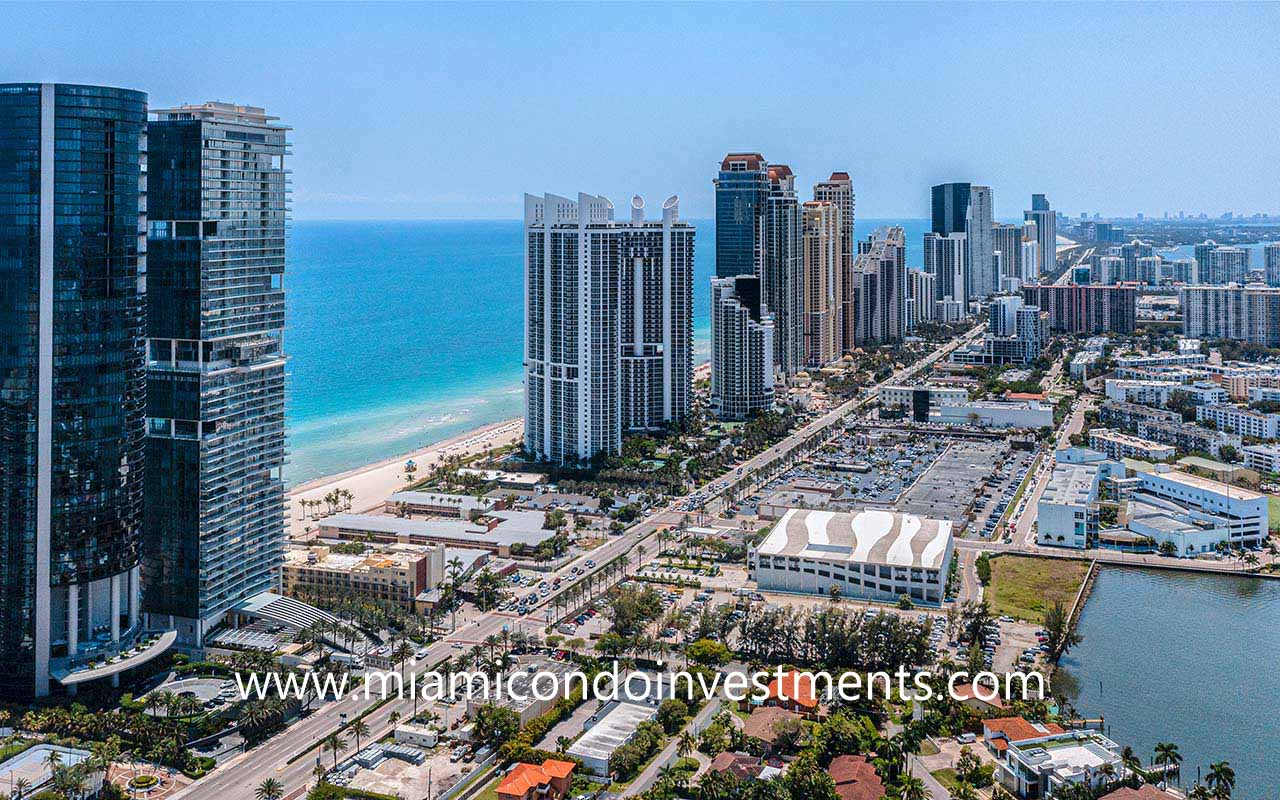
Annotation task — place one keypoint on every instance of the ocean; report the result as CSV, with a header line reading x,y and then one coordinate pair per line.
x,y
401,334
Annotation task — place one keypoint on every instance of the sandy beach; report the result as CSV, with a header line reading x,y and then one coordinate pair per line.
x,y
373,483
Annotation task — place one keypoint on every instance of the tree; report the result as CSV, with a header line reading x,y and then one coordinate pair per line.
x,y
359,729
912,788
335,744
496,724
806,779
1221,779
708,652
1061,630
270,789
671,714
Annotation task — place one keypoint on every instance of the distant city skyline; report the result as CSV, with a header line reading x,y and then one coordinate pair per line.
x,y
453,111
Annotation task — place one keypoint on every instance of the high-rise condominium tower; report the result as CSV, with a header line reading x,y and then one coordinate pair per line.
x,y
742,189
1007,244
1271,263
821,282
1222,264
72,381
783,278
944,258
215,499
608,324
880,287
838,190
1046,220
741,348
984,278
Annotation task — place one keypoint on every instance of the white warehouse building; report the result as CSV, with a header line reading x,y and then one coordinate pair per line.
x,y
870,554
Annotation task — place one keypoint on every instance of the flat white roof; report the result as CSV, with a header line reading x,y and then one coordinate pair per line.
x,y
869,536
612,732
1206,485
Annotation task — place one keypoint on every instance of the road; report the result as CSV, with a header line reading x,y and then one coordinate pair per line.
x,y
239,777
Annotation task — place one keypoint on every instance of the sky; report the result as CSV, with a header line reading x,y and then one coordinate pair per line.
x,y
422,111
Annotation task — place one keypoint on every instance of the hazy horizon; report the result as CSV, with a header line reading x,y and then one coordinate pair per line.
x,y
453,111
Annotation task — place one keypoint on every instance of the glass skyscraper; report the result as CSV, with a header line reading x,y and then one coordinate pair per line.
x,y
742,192
72,381
215,446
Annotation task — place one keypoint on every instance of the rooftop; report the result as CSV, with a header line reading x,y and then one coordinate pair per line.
x,y
1207,485
869,536
515,527
1070,484
614,730
524,776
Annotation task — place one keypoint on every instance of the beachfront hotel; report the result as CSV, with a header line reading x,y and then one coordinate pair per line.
x,y
870,554
608,324
72,416
218,202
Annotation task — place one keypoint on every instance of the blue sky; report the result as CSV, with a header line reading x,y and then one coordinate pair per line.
x,y
434,111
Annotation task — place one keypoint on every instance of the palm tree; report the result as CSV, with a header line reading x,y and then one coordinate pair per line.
x,y
1167,756
912,788
270,789
335,744
359,729
20,787
1221,779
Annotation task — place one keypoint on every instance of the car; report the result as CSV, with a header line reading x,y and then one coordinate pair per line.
x,y
966,738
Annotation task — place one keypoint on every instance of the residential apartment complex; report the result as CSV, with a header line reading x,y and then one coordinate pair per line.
x,y
1248,313
608,324
742,338
217,211
1085,309
392,577
72,415
823,327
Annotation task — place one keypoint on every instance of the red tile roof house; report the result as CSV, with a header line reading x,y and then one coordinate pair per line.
x,y
762,725
855,778
1144,792
742,765
999,733
532,782
794,691
965,694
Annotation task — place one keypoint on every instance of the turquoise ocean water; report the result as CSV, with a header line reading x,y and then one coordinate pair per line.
x,y
401,334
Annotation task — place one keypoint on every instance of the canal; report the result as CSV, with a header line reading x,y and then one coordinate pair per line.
x,y
1186,658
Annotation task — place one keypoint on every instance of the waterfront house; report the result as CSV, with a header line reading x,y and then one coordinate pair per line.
x,y
1037,760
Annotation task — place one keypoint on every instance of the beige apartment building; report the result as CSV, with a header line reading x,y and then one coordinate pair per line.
x,y
389,576
838,190
822,285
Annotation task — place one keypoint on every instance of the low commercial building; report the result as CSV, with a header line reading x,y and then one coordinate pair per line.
x,y
459,506
385,576
871,554
1173,527
517,481
614,727
518,690
1244,510
1067,514
1120,445
1262,457
417,735
497,532
1244,421
918,401
995,414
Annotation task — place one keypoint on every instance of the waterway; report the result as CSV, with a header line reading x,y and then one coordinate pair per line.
x,y
1189,659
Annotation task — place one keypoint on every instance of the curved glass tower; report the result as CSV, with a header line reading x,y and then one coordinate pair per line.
x,y
72,379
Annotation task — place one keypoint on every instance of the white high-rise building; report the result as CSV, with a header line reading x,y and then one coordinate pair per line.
x,y
944,258
608,324
1046,220
1029,266
983,278
1271,263
921,297
742,334
1245,313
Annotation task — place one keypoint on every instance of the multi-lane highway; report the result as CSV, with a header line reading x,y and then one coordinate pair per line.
x,y
237,778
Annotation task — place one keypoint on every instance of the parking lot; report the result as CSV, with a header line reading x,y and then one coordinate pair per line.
x,y
969,475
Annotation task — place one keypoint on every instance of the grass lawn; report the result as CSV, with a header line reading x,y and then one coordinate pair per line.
x,y
9,751
927,748
946,777
1273,507
1024,587
489,792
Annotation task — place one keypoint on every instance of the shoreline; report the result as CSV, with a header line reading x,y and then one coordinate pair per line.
x,y
372,483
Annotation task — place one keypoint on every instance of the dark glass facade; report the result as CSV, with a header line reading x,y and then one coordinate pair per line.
x,y
742,193
950,208
87,517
